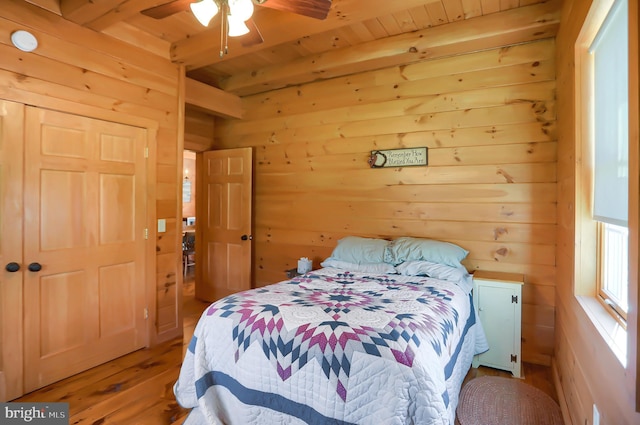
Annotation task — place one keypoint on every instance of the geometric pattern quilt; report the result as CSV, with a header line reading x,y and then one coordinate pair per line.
x,y
326,318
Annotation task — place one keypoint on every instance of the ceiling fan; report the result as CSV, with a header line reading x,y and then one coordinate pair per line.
x,y
236,14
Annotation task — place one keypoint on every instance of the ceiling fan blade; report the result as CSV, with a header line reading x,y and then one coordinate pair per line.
x,y
167,9
318,9
254,37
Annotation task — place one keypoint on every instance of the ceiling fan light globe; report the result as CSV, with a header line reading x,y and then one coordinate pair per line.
x,y
241,9
237,27
204,11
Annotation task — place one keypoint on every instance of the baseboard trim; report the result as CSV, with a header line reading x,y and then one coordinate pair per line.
x,y
562,401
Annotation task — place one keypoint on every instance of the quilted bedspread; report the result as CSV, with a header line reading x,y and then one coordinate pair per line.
x,y
331,347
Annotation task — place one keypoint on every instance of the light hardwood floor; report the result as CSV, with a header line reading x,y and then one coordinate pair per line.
x,y
137,389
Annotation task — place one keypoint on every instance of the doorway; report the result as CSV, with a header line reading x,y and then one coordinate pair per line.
x,y
188,212
189,221
222,220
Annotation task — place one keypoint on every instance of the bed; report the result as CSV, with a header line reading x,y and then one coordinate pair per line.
x,y
385,336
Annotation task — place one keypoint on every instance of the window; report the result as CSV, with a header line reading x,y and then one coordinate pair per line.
x,y
613,278
603,195
610,148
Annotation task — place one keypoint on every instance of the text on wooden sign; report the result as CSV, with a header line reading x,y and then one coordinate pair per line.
x,y
406,157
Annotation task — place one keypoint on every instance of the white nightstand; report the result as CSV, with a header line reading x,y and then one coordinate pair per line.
x,y
498,297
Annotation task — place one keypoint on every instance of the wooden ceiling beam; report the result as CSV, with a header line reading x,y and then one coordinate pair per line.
x,y
52,6
99,15
84,11
212,100
203,49
490,31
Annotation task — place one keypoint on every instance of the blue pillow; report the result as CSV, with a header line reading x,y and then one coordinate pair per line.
x,y
420,249
358,250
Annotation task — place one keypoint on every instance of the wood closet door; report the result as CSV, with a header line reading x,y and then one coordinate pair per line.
x,y
11,213
84,205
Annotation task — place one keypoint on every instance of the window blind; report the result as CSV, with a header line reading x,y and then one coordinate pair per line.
x,y
611,116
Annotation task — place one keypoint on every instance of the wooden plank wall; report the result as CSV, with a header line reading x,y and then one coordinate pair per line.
x,y
78,70
588,372
488,118
198,130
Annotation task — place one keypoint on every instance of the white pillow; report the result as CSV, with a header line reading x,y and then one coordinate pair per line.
x,y
457,275
377,268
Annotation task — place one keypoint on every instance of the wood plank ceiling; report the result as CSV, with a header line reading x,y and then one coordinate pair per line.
x,y
288,38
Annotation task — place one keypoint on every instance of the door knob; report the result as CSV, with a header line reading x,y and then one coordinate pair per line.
x,y
246,237
12,267
35,267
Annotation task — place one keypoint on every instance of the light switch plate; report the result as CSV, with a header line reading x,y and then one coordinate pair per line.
x,y
162,225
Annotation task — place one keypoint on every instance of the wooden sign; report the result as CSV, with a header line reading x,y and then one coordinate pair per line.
x,y
398,157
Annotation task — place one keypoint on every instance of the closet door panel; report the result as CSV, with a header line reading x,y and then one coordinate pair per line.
x,y
11,213
62,217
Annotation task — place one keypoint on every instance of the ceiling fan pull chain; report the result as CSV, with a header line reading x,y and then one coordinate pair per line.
x,y
222,31
224,28
226,39
222,19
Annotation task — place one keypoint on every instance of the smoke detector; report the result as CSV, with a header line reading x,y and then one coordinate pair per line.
x,y
24,40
